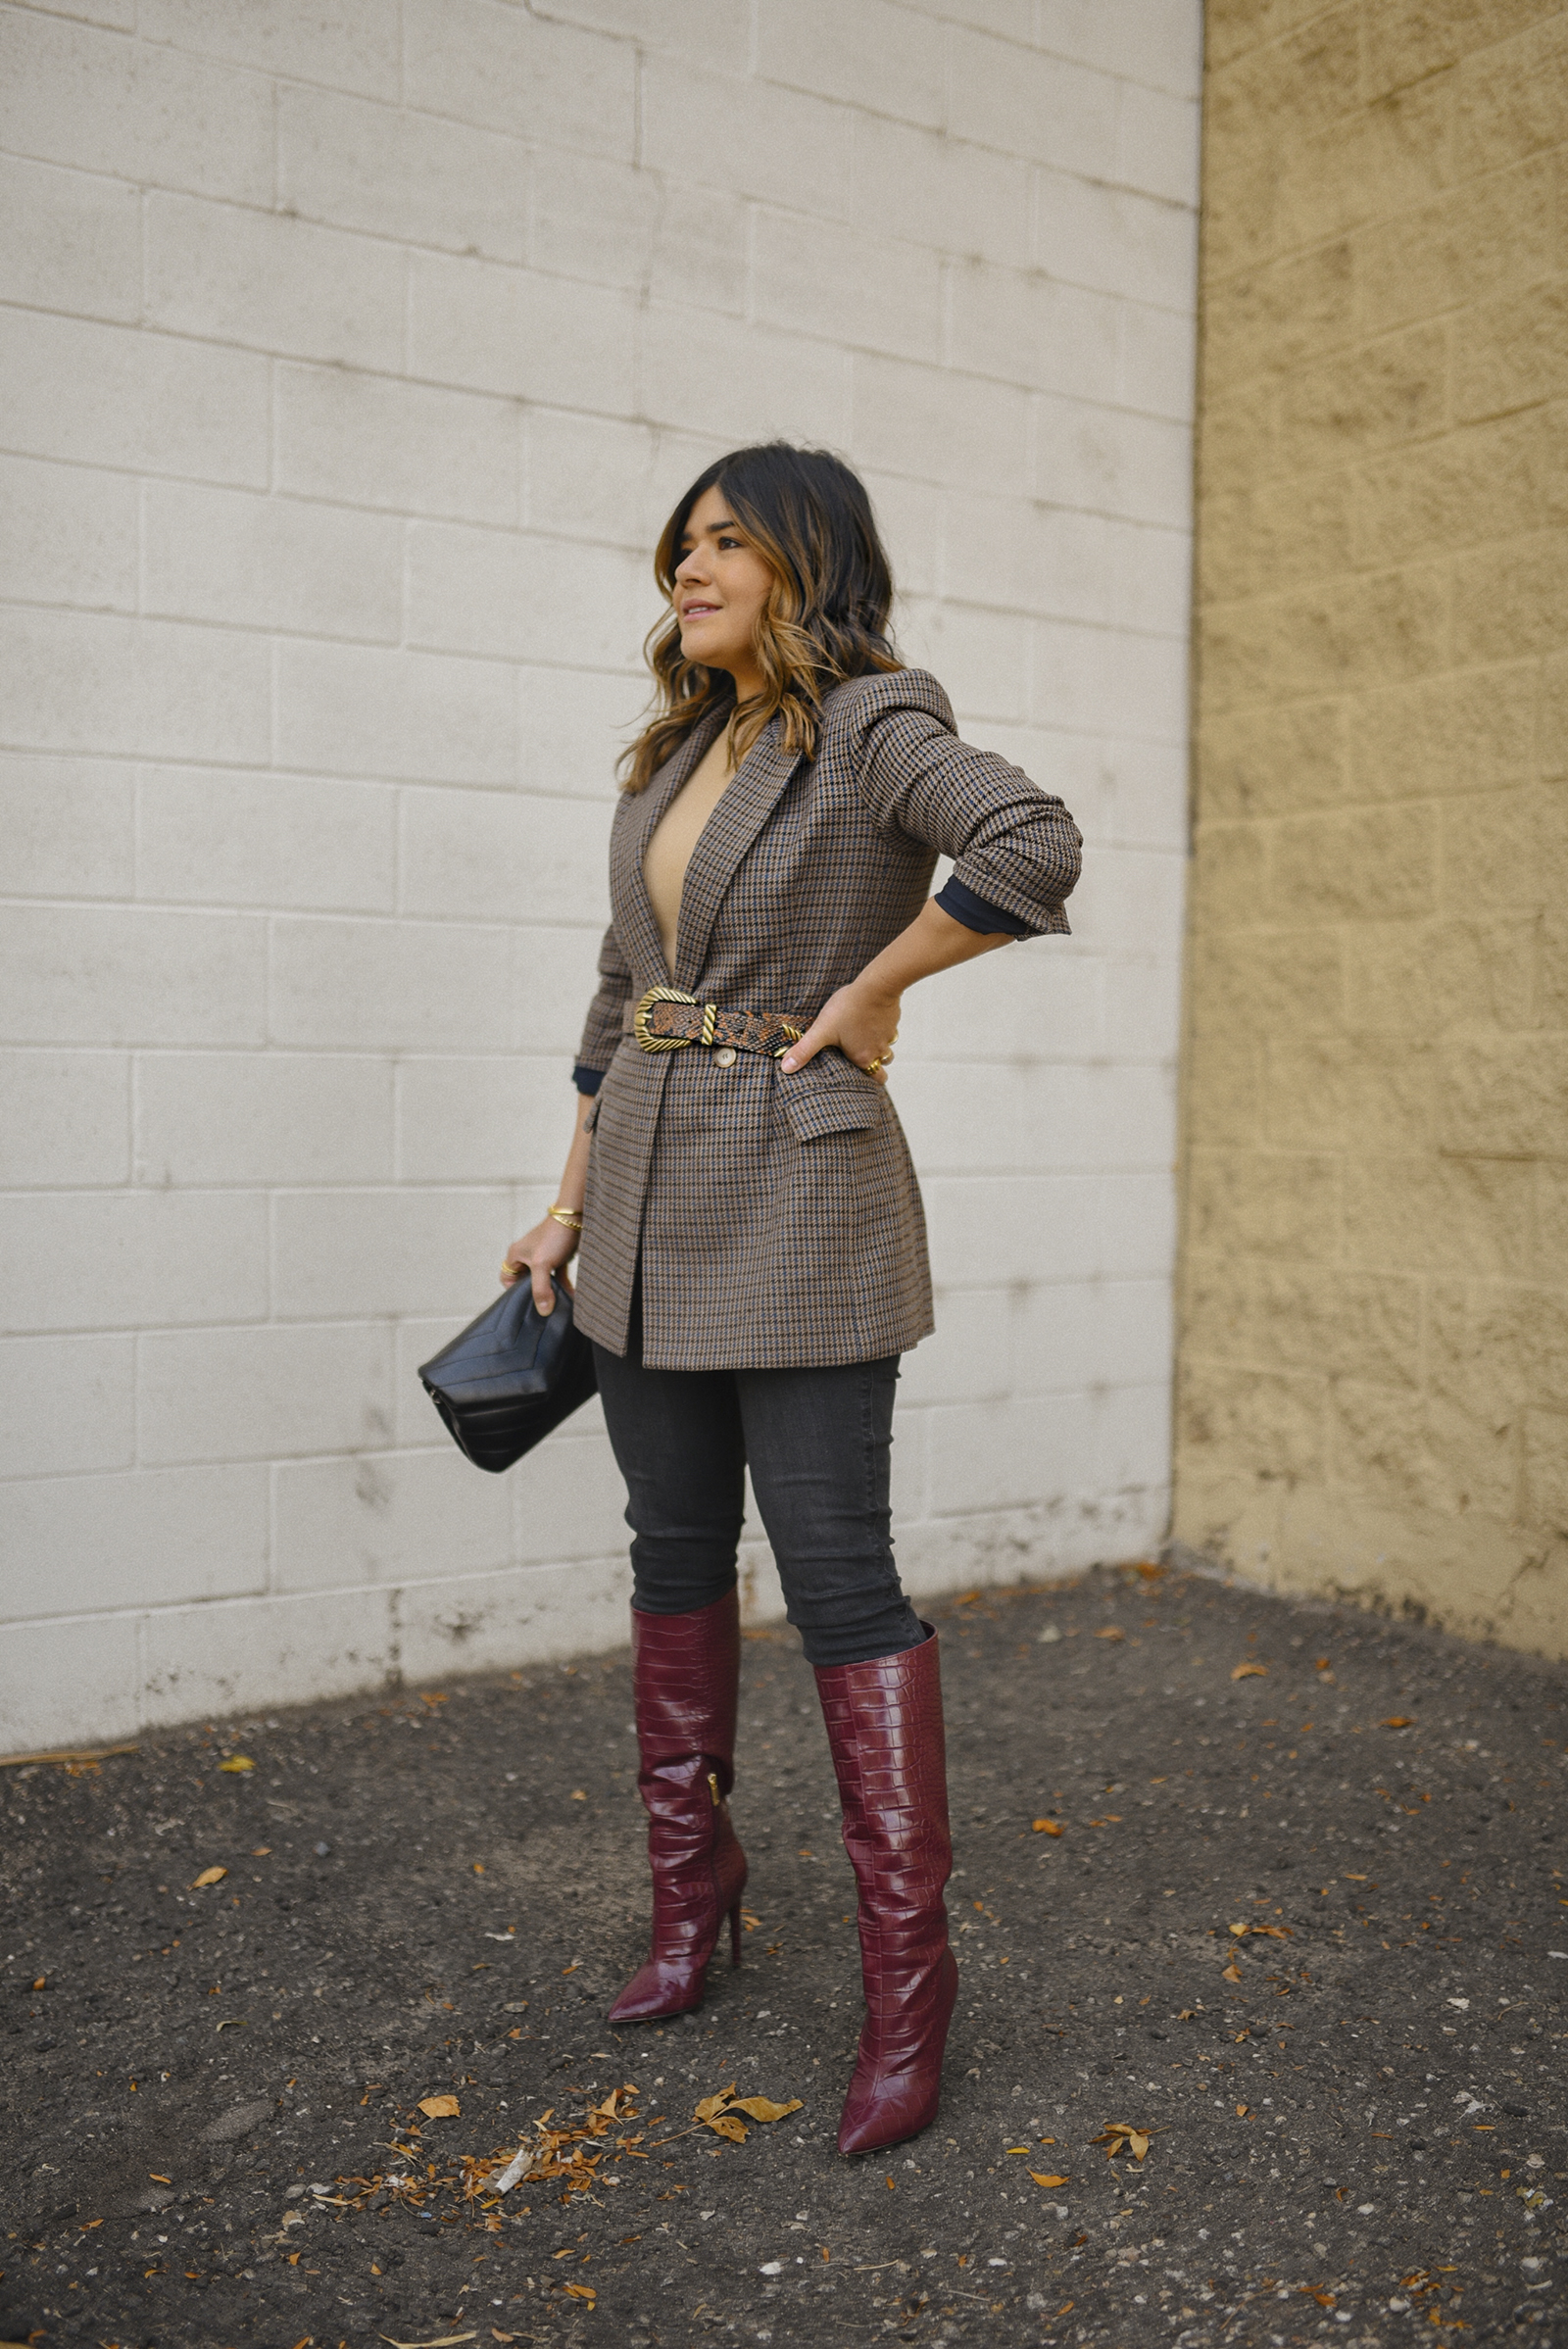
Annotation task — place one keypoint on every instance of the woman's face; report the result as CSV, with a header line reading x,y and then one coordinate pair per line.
x,y
722,585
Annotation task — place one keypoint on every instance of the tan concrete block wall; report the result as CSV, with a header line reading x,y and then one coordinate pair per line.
x,y
1374,1309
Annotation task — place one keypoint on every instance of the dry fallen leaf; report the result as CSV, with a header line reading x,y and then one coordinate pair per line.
x,y
1042,2179
1232,1973
209,1875
719,2112
581,2291
1110,1631
1238,1929
439,2108
711,2112
1120,2136
578,1794
1241,2112
1398,1721
1047,1827
1251,1671
237,1761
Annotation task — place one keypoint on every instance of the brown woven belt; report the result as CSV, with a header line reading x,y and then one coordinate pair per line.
x,y
667,1018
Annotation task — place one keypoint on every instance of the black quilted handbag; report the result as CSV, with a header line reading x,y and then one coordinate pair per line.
x,y
511,1377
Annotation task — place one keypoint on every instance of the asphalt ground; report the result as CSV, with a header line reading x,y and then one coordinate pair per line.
x,y
1302,1930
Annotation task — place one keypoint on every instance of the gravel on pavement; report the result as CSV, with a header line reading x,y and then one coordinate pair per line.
x,y
1263,1927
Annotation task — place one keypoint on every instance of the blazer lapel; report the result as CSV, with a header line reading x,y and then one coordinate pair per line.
x,y
630,903
746,805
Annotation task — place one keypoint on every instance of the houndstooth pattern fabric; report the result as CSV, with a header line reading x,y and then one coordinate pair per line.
x,y
778,1217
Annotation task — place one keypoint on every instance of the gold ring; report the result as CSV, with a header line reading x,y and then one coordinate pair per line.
x,y
506,1269
872,1066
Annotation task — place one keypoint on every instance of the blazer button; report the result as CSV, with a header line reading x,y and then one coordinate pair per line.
x,y
725,1058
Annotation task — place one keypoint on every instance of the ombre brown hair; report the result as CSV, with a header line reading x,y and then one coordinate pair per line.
x,y
827,614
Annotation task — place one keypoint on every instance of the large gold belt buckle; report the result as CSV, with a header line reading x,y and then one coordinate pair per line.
x,y
669,1043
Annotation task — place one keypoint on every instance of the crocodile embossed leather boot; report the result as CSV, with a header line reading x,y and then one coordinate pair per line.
x,y
686,1673
884,1725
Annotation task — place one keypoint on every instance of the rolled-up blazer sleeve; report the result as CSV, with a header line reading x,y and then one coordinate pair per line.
x,y
601,1029
1014,847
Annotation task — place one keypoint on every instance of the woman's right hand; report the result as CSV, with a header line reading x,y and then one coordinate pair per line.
x,y
548,1247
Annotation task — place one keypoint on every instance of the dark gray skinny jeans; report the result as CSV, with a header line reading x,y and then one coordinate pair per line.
x,y
819,1446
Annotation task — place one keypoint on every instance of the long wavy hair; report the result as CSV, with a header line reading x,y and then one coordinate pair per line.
x,y
827,614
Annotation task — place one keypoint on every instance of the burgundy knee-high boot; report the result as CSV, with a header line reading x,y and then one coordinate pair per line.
x,y
884,1725
686,1673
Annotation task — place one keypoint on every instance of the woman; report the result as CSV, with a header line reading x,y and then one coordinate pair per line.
x,y
752,1248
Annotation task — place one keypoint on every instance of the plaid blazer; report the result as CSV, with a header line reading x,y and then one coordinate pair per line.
x,y
778,1217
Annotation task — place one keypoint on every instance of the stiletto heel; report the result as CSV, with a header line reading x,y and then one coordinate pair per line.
x,y
735,1935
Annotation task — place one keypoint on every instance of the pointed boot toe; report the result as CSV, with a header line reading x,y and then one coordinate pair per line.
x,y
658,1989
673,1980
896,2094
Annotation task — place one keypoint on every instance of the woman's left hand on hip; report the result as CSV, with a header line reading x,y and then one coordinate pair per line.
x,y
864,1025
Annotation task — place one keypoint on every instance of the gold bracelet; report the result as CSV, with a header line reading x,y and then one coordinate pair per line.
x,y
572,1217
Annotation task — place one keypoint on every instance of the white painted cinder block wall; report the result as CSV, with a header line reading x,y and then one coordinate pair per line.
x,y
352,355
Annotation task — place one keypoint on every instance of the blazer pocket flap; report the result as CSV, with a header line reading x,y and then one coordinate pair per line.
x,y
829,1103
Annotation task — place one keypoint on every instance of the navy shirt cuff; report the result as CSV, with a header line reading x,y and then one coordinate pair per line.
x,y
976,914
587,1079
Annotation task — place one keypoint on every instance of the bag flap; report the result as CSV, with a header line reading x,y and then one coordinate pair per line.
x,y
510,1341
